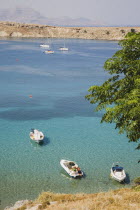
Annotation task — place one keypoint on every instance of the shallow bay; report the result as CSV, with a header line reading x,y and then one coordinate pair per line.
x,y
58,84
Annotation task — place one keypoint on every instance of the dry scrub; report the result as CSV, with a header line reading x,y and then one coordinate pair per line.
x,y
113,200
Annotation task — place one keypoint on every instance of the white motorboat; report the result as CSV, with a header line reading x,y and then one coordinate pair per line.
x,y
63,48
49,52
44,45
36,135
71,168
117,173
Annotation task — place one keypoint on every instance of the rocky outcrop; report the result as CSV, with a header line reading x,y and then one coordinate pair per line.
x,y
16,34
3,34
17,205
11,29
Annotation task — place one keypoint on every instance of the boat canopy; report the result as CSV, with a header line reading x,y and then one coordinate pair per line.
x,y
117,168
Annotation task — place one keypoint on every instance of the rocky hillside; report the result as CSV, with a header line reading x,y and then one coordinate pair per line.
x,y
113,200
12,29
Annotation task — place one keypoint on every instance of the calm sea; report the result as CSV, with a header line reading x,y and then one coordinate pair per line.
x,y
58,84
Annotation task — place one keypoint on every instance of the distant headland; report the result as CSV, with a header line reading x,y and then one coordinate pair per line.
x,y
22,30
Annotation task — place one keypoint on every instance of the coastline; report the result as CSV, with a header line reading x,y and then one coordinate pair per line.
x,y
117,199
80,202
23,30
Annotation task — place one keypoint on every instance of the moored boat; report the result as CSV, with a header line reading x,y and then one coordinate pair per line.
x,y
71,168
63,48
118,173
36,135
49,52
44,45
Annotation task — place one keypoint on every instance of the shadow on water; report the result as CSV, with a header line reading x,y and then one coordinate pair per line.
x,y
127,179
84,175
45,142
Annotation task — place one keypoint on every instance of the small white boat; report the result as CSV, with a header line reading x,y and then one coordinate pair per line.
x,y
117,173
49,52
44,45
36,135
64,48
71,168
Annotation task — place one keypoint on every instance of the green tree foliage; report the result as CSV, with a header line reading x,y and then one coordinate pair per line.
x,y
120,94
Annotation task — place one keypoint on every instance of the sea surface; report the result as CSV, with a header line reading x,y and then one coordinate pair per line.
x,y
58,84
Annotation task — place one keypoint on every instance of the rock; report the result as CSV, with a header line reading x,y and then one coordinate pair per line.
x,y
16,34
3,34
18,204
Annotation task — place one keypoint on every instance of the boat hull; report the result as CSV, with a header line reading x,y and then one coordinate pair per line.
x,y
63,49
73,173
44,46
49,52
36,138
37,141
118,176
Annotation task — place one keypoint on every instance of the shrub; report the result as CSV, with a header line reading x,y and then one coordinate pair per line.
x,y
123,31
137,181
133,30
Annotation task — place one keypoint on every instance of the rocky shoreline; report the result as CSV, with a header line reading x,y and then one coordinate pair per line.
x,y
19,30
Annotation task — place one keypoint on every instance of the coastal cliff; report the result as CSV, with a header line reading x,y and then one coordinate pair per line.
x,y
12,29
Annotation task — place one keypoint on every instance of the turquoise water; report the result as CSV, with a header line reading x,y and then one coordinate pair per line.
x,y
58,83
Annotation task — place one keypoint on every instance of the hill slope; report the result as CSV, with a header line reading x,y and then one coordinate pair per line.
x,y
29,15
11,29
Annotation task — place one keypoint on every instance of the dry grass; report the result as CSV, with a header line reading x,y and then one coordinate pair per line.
x,y
113,200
